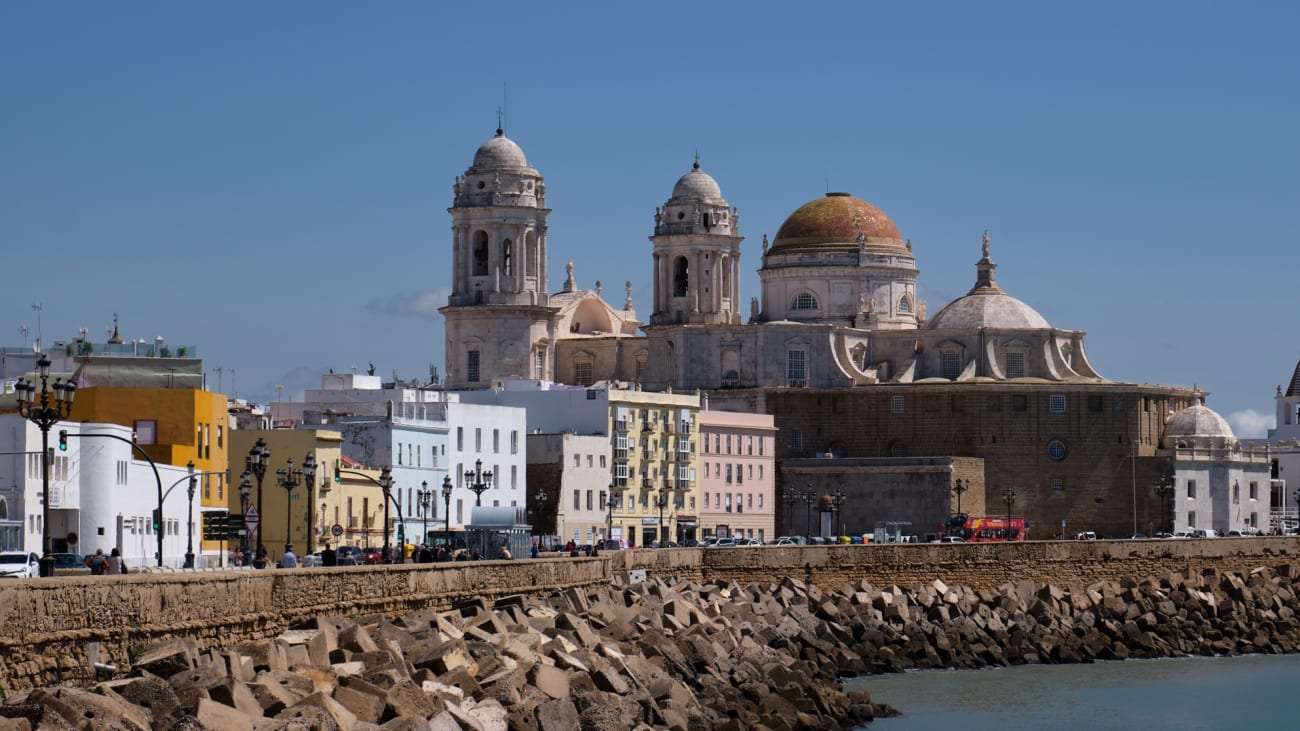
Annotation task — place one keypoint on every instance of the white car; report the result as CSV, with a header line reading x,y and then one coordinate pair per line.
x,y
19,565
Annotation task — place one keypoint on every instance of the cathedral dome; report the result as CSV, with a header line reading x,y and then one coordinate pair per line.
x,y
993,310
1197,420
834,222
499,153
696,185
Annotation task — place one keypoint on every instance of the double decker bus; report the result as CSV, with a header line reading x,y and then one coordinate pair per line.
x,y
985,530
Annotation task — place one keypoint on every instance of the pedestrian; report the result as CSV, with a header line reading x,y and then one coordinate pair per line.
x,y
595,550
289,560
505,553
535,553
115,563
98,563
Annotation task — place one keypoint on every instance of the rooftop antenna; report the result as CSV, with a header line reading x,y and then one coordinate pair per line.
x,y
505,106
39,343
697,159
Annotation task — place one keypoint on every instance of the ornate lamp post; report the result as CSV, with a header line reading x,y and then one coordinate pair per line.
x,y
255,464
837,499
245,492
662,502
288,478
1164,491
809,498
478,481
446,498
424,498
1009,497
386,485
791,498
45,415
189,518
958,487
609,514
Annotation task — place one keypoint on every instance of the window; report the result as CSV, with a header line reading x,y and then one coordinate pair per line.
x,y
122,471
496,441
514,476
796,440
399,453
728,473
146,431
471,366
480,253
895,404
590,498
760,474
761,442
706,500
905,304
898,449
804,301
750,445
582,373
796,368
1191,519
1236,493
460,439
740,475
602,462
1094,403
1056,403
728,502
1019,402
1015,365
728,444
577,499
1254,491
220,433
740,503
1191,489
539,367
681,276
950,365
1056,450
478,439
1057,483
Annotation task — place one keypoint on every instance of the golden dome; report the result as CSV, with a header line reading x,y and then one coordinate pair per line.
x,y
835,222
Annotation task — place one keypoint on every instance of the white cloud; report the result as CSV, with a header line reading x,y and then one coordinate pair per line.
x,y
1250,424
420,304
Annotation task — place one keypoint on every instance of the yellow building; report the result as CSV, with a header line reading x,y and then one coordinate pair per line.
x,y
655,465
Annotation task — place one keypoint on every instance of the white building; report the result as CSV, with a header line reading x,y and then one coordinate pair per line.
x,y
1219,482
424,435
1284,440
101,495
572,471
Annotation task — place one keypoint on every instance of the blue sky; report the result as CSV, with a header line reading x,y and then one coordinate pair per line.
x,y
269,181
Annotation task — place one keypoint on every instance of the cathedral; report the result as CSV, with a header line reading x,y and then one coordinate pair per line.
x,y
836,346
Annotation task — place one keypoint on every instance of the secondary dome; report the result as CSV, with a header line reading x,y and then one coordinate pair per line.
x,y
996,311
696,185
837,221
1198,420
499,153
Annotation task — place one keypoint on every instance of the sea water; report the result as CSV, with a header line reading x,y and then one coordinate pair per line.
x,y
1188,694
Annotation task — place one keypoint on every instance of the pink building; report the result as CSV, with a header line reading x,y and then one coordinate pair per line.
x,y
737,477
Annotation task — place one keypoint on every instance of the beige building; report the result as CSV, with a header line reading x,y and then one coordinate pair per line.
x,y
570,474
737,475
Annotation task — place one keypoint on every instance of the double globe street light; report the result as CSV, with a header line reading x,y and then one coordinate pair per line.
x,y
45,414
290,479
478,481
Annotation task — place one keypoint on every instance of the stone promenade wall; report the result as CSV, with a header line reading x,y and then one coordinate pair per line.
x,y
56,629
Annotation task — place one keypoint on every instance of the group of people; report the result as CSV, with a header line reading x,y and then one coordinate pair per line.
x,y
99,564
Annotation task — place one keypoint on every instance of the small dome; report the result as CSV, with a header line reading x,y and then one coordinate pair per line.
x,y
997,311
1198,420
499,153
696,185
834,222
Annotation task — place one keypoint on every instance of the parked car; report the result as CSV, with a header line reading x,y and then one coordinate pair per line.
x,y
783,541
372,555
748,542
68,561
19,565
951,539
350,556
723,543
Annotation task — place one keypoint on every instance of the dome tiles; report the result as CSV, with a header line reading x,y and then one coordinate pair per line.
x,y
836,221
697,185
993,311
1198,420
499,153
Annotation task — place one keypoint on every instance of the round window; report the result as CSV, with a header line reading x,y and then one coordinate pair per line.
x,y
681,215
1056,450
481,185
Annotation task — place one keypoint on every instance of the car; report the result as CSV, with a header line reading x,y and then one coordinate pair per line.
x,y
372,556
783,541
708,542
1086,535
690,543
350,556
68,561
723,543
1138,537
748,542
19,565
950,539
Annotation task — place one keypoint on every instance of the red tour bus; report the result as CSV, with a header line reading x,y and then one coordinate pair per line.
x,y
985,530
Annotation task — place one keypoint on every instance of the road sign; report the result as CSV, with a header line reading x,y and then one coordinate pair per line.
x,y
337,530
251,518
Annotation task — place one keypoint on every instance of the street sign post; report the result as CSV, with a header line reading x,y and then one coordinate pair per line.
x,y
337,530
251,519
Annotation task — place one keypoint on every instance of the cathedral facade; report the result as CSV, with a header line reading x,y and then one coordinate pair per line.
x,y
837,346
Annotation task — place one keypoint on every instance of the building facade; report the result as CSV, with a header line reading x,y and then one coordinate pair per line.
x,y
737,478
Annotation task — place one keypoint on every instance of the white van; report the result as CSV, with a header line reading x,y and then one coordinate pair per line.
x,y
1205,533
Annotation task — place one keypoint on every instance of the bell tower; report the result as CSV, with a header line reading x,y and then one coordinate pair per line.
x,y
497,317
696,255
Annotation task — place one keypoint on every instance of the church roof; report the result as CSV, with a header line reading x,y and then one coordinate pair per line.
x,y
1198,420
1293,390
697,185
993,310
838,221
499,153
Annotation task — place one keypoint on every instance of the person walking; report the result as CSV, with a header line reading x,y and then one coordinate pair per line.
x,y
98,563
289,560
115,563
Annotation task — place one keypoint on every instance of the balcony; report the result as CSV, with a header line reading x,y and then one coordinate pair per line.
x,y
647,484
620,425
649,425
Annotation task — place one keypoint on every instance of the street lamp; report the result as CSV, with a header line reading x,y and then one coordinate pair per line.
x,y
1165,490
837,499
45,415
386,485
255,464
958,487
791,498
662,502
1009,497
189,518
809,498
609,514
424,497
288,478
245,492
479,481
446,498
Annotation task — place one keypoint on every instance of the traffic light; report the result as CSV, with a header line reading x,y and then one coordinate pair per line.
x,y
63,440
338,477
157,520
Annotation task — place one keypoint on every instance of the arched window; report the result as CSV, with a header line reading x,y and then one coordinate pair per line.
x,y
507,257
480,253
905,304
804,301
681,276
725,263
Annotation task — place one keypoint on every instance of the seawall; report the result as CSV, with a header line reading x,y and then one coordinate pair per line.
x,y
57,629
